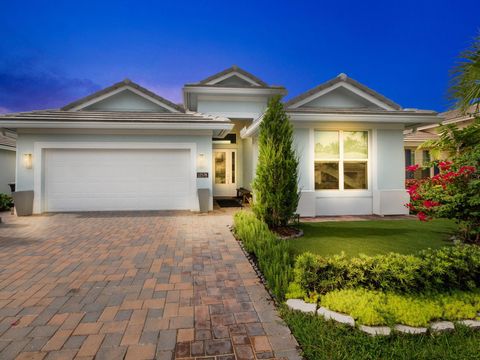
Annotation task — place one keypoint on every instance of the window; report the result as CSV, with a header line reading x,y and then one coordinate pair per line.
x,y
341,160
426,162
409,160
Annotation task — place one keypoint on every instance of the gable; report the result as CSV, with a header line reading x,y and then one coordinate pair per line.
x,y
342,92
235,80
125,100
124,96
340,98
233,76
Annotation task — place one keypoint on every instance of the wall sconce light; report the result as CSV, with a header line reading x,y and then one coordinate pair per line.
x,y
201,161
27,161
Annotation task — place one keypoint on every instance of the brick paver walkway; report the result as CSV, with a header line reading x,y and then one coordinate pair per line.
x,y
134,286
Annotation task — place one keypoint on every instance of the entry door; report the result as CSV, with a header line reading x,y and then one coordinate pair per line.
x,y
225,172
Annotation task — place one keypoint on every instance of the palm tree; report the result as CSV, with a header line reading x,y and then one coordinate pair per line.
x,y
465,86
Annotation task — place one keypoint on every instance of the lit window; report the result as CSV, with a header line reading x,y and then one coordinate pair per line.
x,y
341,160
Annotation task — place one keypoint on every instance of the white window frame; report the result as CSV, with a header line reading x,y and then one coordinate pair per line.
x,y
341,160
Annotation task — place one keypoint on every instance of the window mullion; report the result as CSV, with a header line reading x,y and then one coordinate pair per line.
x,y
340,162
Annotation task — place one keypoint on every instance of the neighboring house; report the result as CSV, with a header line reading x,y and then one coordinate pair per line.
x,y
413,138
7,163
126,148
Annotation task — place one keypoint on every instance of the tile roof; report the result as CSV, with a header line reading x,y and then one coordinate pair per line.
x,y
342,78
331,110
233,69
457,114
235,86
126,82
419,136
7,142
114,116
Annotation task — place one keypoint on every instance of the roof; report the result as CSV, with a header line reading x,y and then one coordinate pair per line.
x,y
327,110
7,143
419,136
457,114
345,79
235,86
124,83
113,116
234,69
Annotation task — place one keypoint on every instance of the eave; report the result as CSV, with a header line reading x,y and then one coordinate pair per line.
x,y
218,129
409,120
195,89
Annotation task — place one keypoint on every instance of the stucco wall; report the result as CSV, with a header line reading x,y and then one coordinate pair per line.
x,y
390,159
247,163
301,138
7,170
232,109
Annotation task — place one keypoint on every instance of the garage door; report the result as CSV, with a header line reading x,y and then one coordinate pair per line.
x,y
94,179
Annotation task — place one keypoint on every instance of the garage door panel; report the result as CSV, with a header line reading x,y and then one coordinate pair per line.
x,y
95,179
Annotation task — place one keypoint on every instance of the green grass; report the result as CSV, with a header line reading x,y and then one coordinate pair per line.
x,y
372,237
323,340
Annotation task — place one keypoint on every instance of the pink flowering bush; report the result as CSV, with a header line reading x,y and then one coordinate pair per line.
x,y
453,193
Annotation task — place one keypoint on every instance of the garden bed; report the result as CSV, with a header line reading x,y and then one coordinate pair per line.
x,y
385,329
456,268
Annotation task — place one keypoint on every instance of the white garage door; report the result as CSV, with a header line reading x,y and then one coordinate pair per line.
x,y
110,179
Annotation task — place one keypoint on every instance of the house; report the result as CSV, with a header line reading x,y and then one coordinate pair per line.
x,y
7,163
127,148
413,138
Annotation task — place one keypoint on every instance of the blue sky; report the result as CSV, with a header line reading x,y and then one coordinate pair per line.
x,y
53,52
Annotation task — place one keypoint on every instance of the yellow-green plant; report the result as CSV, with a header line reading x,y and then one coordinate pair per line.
x,y
370,307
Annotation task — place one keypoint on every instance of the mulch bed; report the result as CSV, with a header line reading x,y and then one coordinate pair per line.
x,y
288,232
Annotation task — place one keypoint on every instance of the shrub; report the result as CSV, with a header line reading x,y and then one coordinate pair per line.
x,y
272,254
454,192
364,306
453,267
378,308
6,202
275,185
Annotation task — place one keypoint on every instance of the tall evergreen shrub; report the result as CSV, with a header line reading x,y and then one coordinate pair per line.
x,y
275,185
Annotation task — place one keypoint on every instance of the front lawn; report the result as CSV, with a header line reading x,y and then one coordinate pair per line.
x,y
372,237
324,340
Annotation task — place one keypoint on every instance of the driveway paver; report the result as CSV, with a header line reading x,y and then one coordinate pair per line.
x,y
132,285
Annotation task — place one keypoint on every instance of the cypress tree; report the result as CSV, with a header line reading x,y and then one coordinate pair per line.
x,y
275,185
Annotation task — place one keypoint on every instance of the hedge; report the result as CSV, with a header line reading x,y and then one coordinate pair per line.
x,y
450,267
272,254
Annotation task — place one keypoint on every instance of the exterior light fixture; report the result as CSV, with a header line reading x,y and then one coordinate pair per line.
x,y
27,161
201,160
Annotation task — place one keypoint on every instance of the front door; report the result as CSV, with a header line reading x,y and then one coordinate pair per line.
x,y
224,172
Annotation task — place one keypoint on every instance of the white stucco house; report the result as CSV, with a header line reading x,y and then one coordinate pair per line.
x,y
126,148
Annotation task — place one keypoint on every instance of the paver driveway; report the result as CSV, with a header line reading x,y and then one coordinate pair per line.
x,y
132,285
